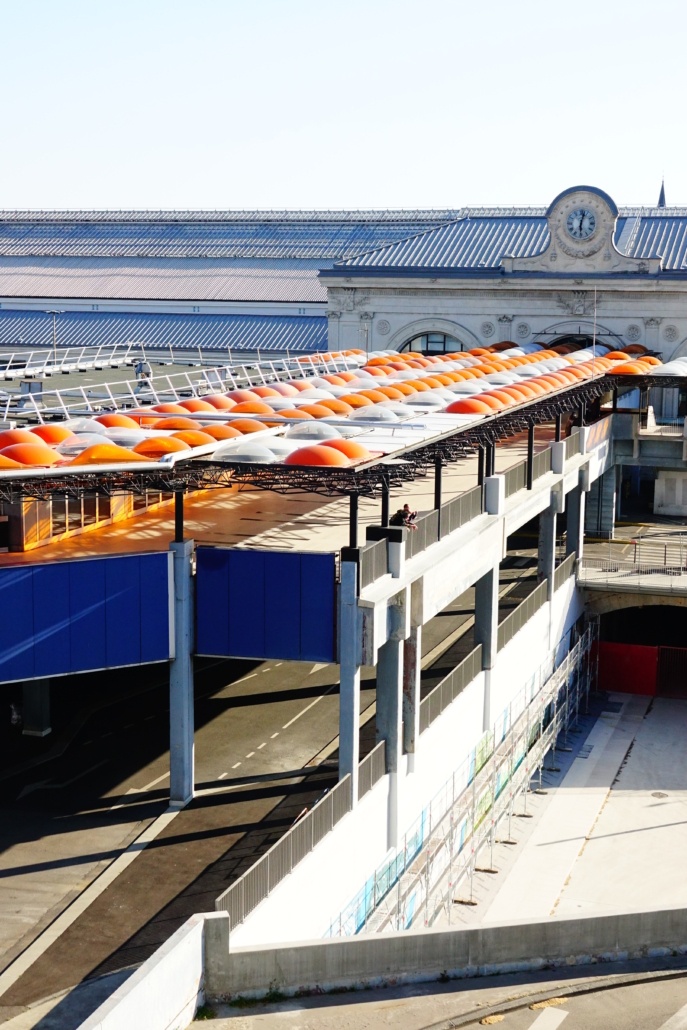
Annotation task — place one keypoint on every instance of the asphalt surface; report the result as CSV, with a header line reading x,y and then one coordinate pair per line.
x,y
265,750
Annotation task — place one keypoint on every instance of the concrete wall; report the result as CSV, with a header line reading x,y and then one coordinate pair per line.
x,y
164,993
407,957
305,903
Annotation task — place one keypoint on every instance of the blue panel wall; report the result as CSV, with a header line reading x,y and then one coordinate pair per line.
x,y
265,604
77,616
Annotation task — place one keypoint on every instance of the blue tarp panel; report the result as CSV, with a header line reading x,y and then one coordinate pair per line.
x,y
265,604
78,616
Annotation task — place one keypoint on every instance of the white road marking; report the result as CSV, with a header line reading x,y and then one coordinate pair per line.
x,y
248,677
236,765
264,744
307,708
317,667
153,782
676,1022
222,776
250,754
131,790
274,735
549,1019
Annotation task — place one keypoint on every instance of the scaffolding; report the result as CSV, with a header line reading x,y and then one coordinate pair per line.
x,y
436,864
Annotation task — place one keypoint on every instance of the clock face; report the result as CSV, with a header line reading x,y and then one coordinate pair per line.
x,y
581,223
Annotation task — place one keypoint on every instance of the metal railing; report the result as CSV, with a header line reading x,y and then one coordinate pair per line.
x,y
371,769
448,689
426,533
541,463
572,444
564,571
516,619
624,573
461,510
373,562
259,881
515,478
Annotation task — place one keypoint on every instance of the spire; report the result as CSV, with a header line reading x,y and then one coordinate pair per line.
x,y
662,195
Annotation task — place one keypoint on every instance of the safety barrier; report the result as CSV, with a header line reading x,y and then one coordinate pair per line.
x,y
259,881
516,619
373,562
541,463
572,444
435,525
564,571
448,689
371,769
515,478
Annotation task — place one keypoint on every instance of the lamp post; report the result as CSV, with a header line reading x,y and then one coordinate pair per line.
x,y
54,312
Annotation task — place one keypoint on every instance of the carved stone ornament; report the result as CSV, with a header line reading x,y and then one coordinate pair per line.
x,y
670,333
383,327
366,316
652,323
632,333
578,302
333,314
523,330
505,319
348,299
487,329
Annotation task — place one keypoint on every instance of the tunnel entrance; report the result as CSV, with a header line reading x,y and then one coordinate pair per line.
x,y
644,651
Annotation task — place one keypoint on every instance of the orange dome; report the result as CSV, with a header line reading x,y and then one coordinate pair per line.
x,y
520,396
34,453
10,436
378,371
301,385
196,404
418,384
316,410
248,425
115,420
252,408
175,423
194,437
221,432
106,454
335,380
347,376
526,389
636,348
356,400
383,359
373,395
493,402
265,391
338,407
147,417
293,413
240,396
51,433
391,393
156,446
169,409
469,406
285,389
414,363
9,463
431,383
405,389
443,378
617,355
317,454
219,402
477,352
649,360
350,449
505,399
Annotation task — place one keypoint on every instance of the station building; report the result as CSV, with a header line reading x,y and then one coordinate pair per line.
x,y
579,276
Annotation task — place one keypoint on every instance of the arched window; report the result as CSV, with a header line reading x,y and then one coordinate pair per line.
x,y
433,343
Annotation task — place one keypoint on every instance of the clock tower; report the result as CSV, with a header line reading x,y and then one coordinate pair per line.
x,y
582,225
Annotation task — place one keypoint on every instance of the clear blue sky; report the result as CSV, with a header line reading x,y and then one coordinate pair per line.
x,y
338,103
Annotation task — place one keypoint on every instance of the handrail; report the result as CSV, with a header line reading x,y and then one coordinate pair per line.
x,y
448,689
516,619
373,562
371,769
564,571
246,893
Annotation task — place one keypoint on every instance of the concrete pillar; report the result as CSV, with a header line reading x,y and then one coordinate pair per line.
x,y
575,532
390,724
600,508
546,553
412,668
486,632
349,672
36,705
181,715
